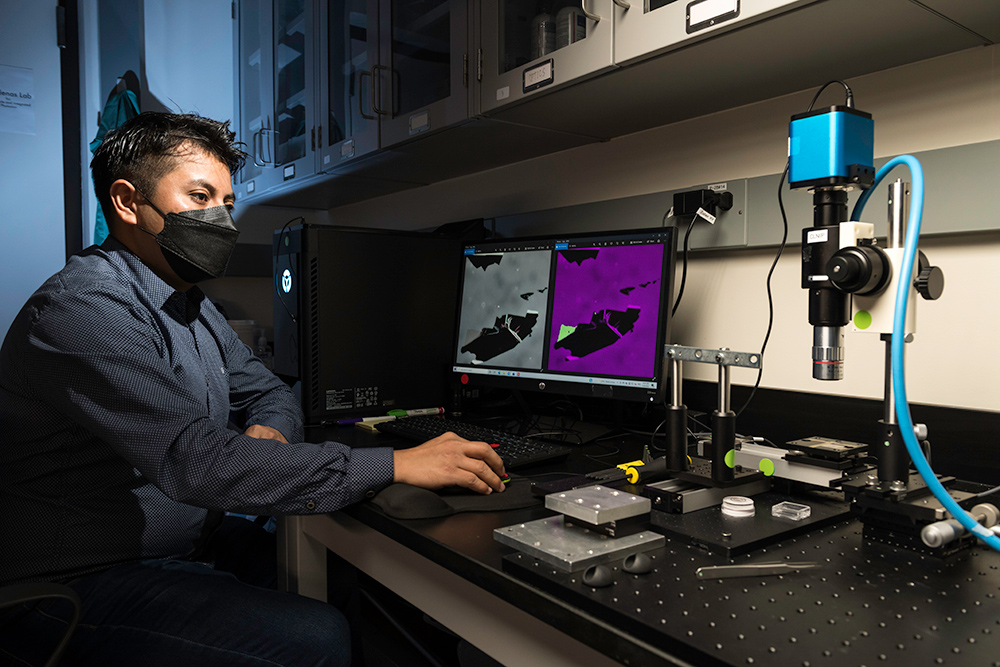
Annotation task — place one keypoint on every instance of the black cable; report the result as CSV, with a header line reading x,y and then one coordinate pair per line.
x,y
684,261
770,299
847,90
598,457
652,438
784,237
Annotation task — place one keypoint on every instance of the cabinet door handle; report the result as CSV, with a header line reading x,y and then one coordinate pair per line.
x,y
375,107
275,160
589,14
255,142
361,96
622,4
263,132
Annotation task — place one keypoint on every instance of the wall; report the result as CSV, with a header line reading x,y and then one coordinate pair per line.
x,y
183,65
188,56
32,234
949,101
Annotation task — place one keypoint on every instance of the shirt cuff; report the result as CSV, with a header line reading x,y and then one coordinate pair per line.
x,y
371,470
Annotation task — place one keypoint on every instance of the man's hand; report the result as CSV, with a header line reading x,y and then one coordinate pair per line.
x,y
258,431
449,460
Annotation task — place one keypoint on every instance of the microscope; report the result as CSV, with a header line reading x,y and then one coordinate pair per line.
x,y
851,280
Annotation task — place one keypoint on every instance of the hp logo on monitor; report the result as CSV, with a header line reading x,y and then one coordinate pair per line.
x,y
286,281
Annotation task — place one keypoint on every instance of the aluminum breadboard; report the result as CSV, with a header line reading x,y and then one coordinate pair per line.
x,y
867,604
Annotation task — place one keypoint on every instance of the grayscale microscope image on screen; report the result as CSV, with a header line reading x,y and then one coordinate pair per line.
x,y
504,306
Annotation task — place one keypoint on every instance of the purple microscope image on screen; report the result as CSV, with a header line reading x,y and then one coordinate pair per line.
x,y
605,309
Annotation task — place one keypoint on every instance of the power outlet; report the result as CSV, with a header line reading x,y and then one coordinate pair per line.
x,y
730,227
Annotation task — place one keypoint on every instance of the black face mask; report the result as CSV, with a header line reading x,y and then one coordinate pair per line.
x,y
197,244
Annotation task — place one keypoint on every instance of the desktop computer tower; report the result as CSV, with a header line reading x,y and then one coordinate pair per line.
x,y
364,320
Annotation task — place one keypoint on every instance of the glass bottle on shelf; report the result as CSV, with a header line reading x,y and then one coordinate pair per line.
x,y
530,30
571,26
543,32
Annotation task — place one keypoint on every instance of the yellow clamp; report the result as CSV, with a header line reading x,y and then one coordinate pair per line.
x,y
631,470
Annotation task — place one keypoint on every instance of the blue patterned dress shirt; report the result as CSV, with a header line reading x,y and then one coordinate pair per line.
x,y
116,395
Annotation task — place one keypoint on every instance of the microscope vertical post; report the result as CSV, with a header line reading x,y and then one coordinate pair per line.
x,y
893,460
676,419
723,429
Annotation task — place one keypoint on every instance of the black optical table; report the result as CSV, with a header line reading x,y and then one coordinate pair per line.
x,y
864,604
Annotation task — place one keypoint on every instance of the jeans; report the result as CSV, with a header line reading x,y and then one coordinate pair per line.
x,y
176,612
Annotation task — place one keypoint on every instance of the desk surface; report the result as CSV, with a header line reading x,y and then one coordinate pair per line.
x,y
867,604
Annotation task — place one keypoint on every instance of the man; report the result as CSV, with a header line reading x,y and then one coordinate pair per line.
x,y
118,382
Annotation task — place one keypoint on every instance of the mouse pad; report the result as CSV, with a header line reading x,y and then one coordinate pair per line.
x,y
403,501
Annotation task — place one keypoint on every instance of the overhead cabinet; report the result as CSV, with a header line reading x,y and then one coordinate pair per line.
x,y
529,47
650,27
534,47
687,58
393,89
342,100
347,126
422,67
275,96
325,87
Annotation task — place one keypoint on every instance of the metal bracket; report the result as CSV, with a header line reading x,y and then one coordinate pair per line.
x,y
719,356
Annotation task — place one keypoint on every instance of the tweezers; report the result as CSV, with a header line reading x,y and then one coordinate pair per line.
x,y
750,570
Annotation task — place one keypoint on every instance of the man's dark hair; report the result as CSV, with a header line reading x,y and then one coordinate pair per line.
x,y
144,149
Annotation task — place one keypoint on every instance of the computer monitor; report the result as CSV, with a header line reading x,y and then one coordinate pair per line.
x,y
363,319
580,314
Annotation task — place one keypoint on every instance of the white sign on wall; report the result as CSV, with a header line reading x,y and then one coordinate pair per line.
x,y
17,91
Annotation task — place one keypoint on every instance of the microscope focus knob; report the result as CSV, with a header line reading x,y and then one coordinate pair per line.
x,y
930,279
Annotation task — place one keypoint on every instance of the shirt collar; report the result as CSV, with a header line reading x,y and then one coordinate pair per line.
x,y
184,306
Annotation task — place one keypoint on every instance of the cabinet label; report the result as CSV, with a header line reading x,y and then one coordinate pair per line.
x,y
347,149
503,93
289,172
419,122
703,14
540,75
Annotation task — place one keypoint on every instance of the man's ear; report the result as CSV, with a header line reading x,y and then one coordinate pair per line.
x,y
124,201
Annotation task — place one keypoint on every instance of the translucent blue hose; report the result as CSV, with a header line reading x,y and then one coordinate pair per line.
x,y
905,421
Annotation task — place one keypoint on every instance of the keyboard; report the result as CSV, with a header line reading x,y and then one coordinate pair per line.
x,y
516,451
